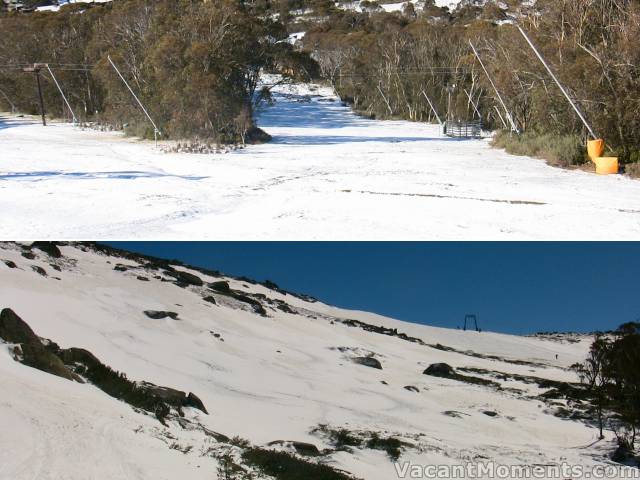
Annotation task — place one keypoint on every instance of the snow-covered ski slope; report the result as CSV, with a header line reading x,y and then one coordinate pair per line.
x,y
274,377
328,174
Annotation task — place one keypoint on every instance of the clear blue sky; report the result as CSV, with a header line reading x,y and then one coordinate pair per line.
x,y
514,287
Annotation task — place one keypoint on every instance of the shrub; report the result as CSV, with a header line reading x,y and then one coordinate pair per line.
x,y
284,466
391,445
632,169
343,438
558,150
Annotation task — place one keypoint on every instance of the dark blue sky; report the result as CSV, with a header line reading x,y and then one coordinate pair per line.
x,y
513,287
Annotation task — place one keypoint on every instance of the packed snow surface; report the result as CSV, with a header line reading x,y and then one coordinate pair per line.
x,y
327,174
274,377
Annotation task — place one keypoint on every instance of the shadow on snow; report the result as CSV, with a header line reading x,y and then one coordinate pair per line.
x,y
299,112
124,175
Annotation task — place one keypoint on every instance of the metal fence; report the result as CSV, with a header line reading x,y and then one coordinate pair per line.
x,y
463,129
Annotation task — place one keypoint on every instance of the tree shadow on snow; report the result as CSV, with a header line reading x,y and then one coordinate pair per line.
x,y
11,122
310,115
298,112
124,175
338,139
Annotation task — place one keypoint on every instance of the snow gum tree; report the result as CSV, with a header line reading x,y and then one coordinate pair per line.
x,y
611,372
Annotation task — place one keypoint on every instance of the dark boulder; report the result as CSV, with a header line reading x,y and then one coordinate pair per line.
x,y
368,362
50,248
195,402
15,330
171,396
37,356
307,449
10,264
120,268
411,388
210,299
185,279
490,413
159,315
79,355
28,255
220,286
39,270
142,279
55,267
442,370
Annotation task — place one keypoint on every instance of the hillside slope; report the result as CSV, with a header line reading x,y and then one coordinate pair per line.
x,y
269,366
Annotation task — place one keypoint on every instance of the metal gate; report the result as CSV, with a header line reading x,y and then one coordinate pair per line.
x,y
463,129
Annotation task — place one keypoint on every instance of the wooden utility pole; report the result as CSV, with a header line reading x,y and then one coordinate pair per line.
x,y
36,70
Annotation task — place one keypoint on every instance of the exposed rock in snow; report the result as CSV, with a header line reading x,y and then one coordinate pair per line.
x,y
368,362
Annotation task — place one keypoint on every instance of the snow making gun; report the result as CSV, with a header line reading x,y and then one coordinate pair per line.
x,y
595,146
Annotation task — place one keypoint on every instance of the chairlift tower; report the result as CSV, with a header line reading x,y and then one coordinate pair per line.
x,y
471,319
35,69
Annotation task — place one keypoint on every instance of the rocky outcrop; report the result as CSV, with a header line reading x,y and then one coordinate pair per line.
x,y
195,402
50,248
37,356
75,363
15,330
31,350
171,396
307,449
221,286
185,279
444,370
382,330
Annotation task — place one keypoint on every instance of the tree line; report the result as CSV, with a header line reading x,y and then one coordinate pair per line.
x,y
194,64
611,373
